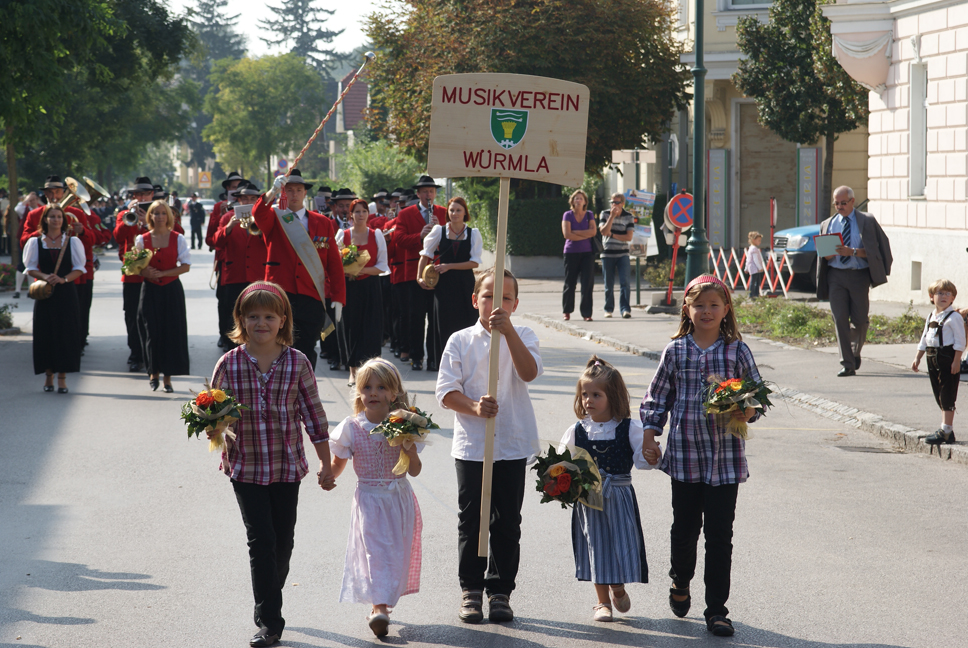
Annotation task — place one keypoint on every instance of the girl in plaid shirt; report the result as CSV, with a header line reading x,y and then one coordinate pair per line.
x,y
266,460
705,461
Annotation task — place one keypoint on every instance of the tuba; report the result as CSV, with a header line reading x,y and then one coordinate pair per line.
x,y
75,193
96,191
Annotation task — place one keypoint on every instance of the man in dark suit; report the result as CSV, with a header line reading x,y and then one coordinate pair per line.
x,y
862,261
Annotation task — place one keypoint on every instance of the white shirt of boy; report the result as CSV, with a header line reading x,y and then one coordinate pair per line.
x,y
463,368
953,329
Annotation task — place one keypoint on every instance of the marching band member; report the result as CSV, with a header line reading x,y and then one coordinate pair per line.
x,y
243,254
341,208
100,235
412,225
54,193
323,197
125,236
214,221
309,282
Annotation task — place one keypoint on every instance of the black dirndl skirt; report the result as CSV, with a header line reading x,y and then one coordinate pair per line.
x,y
57,331
453,308
361,328
163,327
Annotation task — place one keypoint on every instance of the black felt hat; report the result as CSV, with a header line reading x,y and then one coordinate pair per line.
x,y
247,189
324,191
143,183
382,193
235,175
426,181
344,194
54,182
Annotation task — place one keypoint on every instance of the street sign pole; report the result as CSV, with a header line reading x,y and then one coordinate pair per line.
x,y
697,247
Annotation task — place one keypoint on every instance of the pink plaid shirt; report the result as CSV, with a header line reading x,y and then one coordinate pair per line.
x,y
268,447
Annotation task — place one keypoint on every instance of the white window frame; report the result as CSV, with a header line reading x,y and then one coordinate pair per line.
x,y
730,5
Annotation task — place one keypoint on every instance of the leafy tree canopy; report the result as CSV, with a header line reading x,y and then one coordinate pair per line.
x,y
262,107
623,50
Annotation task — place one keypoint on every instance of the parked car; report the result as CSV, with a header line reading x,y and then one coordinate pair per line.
x,y
798,243
208,204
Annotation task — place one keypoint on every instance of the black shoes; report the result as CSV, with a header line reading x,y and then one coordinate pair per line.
x,y
856,363
680,608
432,366
62,390
169,390
135,367
334,366
264,637
843,373
48,388
153,383
939,437
499,609
720,626
416,365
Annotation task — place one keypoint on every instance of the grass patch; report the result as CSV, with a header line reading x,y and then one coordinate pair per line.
x,y
809,325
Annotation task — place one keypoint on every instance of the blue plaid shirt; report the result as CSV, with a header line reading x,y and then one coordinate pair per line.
x,y
699,449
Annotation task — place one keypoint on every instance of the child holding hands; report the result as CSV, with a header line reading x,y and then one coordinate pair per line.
x,y
383,552
462,387
608,544
266,460
705,461
943,341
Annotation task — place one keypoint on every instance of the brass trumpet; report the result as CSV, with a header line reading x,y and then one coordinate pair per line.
x,y
247,220
131,216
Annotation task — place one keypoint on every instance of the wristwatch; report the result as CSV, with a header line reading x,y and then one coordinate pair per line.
x,y
853,251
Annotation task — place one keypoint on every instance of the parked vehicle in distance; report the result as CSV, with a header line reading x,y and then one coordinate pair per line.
x,y
798,244
208,204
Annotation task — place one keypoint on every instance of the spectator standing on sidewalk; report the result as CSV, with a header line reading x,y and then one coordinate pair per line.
x,y
943,341
578,227
618,227
845,279
755,267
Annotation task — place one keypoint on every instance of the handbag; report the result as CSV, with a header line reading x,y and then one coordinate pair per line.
x,y
597,245
40,290
430,276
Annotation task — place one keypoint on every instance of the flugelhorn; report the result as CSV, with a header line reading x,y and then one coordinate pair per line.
x,y
247,220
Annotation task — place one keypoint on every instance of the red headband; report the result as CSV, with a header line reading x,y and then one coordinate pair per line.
x,y
261,285
707,278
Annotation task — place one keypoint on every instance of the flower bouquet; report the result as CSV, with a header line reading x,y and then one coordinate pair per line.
x,y
723,397
569,477
136,260
212,411
354,260
404,428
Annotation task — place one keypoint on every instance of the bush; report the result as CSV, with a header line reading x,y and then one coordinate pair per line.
x,y
7,274
534,226
657,273
6,317
366,168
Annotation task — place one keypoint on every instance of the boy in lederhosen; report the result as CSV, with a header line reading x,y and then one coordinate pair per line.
x,y
943,341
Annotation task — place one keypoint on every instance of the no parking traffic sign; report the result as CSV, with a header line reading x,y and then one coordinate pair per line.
x,y
678,213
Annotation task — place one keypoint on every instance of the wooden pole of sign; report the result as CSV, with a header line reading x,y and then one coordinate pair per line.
x,y
492,367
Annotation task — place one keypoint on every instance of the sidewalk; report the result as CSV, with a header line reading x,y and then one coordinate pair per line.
x,y
885,397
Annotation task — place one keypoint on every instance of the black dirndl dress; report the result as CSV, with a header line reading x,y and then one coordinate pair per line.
x,y
361,327
453,308
162,320
57,319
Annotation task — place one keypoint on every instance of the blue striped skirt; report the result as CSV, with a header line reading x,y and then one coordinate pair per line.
x,y
608,544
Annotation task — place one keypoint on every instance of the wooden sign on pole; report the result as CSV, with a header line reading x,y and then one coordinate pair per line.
x,y
506,126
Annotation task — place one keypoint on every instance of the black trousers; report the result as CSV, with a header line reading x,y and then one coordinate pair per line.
x,y
85,294
495,574
944,384
578,264
307,321
197,233
387,310
421,303
226,304
712,509
400,303
130,296
269,515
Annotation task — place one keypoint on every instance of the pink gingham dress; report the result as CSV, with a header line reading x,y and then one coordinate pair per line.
x,y
383,552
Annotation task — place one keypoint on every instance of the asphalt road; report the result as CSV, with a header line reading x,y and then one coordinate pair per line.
x,y
117,531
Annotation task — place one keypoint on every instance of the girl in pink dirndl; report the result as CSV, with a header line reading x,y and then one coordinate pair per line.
x,y
383,551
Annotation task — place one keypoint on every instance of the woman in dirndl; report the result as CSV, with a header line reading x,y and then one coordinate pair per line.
x,y
455,251
362,321
162,321
57,338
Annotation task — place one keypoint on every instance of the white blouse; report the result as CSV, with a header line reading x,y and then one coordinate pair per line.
x,y
432,242
381,249
32,253
184,256
606,432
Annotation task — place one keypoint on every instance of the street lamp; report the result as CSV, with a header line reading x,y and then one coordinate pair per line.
x,y
697,247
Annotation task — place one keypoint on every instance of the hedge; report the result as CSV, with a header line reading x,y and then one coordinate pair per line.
x,y
534,226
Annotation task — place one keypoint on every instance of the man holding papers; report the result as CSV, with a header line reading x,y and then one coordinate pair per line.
x,y
862,260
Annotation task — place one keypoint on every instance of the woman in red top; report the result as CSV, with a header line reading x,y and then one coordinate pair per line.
x,y
361,329
162,322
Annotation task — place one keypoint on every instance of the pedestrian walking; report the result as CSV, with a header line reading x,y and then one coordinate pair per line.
x,y
706,462
608,543
618,228
196,218
578,228
462,387
755,267
383,553
943,341
266,461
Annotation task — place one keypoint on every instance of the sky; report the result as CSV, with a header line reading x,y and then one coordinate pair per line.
x,y
348,16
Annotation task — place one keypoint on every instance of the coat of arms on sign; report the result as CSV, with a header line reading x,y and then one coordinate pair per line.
x,y
508,126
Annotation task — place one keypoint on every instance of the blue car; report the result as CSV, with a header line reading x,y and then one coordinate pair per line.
x,y
798,243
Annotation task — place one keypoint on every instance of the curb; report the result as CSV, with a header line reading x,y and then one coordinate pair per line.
x,y
905,438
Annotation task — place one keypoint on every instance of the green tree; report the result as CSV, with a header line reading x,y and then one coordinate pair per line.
x,y
802,93
302,23
372,166
218,38
623,50
263,107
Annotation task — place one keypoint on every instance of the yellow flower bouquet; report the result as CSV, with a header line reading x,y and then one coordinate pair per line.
x,y
405,428
354,260
212,411
136,260
723,397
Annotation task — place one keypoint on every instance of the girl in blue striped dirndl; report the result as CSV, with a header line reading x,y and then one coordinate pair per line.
x,y
608,544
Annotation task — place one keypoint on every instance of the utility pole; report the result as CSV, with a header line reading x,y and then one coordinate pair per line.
x,y
697,247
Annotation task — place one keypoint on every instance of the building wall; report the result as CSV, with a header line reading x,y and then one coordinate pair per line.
x,y
928,233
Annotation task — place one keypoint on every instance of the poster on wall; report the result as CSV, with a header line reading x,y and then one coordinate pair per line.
x,y
808,168
717,171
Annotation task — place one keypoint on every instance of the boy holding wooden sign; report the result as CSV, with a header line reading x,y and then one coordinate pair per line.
x,y
462,386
